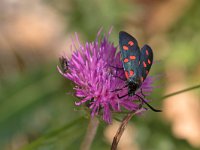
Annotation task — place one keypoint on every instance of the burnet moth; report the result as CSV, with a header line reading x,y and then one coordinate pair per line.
x,y
136,64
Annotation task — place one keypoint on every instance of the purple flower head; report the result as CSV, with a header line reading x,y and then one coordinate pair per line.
x,y
93,67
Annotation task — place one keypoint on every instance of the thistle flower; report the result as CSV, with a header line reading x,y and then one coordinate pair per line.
x,y
94,69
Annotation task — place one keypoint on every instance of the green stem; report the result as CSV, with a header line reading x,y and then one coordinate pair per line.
x,y
90,134
181,91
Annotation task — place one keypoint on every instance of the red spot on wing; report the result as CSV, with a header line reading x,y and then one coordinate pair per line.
x,y
126,74
126,60
147,72
149,62
132,57
142,79
144,64
131,73
125,47
147,52
131,43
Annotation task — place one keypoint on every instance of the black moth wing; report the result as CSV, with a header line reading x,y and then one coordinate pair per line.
x,y
130,53
146,60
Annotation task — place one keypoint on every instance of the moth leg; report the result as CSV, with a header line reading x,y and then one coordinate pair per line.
x,y
119,89
119,78
142,93
141,101
116,73
122,96
116,67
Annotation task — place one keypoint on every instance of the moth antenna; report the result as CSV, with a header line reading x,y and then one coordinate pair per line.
x,y
151,107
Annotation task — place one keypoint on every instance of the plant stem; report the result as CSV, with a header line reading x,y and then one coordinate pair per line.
x,y
121,129
90,134
181,91
125,121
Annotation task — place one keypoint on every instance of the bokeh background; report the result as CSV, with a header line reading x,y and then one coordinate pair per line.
x,y
35,111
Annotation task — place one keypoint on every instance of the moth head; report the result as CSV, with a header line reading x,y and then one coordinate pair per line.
x,y
133,85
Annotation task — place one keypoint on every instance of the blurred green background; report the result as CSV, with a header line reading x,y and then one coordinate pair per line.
x,y
35,111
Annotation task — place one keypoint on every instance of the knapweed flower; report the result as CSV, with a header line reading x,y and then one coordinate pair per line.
x,y
96,70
